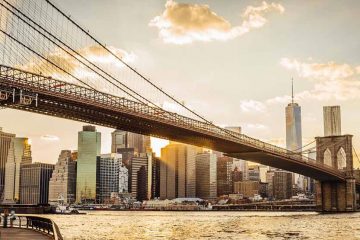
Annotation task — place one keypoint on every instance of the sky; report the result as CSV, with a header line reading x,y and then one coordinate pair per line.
x,y
231,61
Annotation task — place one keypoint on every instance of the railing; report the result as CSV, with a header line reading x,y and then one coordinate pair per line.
x,y
36,223
96,98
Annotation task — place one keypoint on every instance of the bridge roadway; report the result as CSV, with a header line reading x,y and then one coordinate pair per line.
x,y
44,95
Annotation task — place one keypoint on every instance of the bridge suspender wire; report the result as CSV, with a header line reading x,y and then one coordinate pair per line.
x,y
136,72
296,150
71,53
39,55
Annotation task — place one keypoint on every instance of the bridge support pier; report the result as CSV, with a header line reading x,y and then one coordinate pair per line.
x,y
336,196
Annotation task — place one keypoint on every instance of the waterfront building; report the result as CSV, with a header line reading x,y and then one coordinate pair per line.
x,y
247,188
177,171
5,142
155,182
17,153
206,185
107,176
270,182
89,145
123,178
224,175
293,131
254,173
122,139
140,177
34,183
282,185
243,167
262,172
62,185
332,121
237,176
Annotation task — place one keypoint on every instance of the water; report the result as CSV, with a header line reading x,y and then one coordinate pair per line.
x,y
208,225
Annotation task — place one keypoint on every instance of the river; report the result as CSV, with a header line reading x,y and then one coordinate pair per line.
x,y
208,225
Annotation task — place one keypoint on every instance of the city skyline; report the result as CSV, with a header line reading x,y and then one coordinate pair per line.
x,y
322,75
188,119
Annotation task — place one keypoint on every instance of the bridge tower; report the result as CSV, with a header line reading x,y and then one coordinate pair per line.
x,y
336,196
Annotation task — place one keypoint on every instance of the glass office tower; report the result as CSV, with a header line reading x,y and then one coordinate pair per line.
x,y
89,146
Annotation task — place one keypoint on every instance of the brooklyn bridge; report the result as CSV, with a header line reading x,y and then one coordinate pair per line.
x,y
52,65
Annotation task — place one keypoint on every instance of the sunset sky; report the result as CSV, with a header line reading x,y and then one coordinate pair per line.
x,y
231,61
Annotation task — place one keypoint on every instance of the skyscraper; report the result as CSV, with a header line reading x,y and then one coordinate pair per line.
x,y
332,121
107,176
282,184
19,153
34,183
293,125
224,175
140,177
122,139
177,171
5,141
293,130
206,186
89,144
62,185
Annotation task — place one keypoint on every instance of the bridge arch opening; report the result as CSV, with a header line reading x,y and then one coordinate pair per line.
x,y
327,157
341,159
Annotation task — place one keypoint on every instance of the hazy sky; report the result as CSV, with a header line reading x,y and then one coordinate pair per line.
x,y
232,61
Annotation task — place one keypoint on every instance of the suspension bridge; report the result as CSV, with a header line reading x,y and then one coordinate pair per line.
x,y
52,65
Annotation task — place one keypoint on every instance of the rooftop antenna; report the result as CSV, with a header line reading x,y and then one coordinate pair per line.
x,y
292,90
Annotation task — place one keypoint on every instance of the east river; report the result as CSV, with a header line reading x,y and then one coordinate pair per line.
x,y
208,225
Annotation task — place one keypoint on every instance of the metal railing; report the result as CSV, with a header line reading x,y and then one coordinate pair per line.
x,y
36,223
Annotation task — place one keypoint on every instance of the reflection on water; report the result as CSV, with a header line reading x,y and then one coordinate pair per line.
x,y
208,225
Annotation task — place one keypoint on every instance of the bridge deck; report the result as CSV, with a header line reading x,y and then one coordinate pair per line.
x,y
56,98
21,234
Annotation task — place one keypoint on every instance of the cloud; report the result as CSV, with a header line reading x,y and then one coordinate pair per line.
x,y
183,23
252,106
331,80
319,71
95,54
51,138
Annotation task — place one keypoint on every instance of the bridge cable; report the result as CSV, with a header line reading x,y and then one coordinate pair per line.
x,y
72,55
134,70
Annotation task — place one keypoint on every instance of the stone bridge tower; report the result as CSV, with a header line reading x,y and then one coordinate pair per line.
x,y
334,196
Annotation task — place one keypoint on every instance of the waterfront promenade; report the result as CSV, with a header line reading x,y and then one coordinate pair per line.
x,y
22,234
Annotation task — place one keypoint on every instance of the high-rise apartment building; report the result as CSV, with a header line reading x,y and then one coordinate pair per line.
x,y
206,186
282,184
5,142
122,139
17,153
89,145
224,175
62,185
332,121
177,171
107,176
34,183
